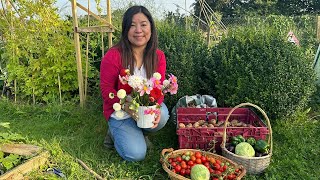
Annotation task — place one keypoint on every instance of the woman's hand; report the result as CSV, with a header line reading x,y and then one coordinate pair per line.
x,y
156,121
132,113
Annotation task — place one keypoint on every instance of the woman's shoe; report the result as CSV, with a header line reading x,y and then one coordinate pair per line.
x,y
148,142
108,141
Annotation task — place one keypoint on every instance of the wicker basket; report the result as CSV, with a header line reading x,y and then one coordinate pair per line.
x,y
166,153
253,165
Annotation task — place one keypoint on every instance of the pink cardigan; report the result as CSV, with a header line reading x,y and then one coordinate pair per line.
x,y
109,77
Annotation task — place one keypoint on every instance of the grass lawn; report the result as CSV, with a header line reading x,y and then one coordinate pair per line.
x,y
70,132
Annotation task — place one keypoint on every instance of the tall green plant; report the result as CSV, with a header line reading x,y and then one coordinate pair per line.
x,y
39,51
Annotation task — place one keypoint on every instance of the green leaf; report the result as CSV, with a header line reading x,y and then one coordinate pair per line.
x,y
5,124
10,161
1,154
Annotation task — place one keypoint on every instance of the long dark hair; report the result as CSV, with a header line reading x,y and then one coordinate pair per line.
x,y
150,59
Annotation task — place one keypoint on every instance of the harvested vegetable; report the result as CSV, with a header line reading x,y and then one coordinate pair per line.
x,y
244,149
200,172
262,146
251,141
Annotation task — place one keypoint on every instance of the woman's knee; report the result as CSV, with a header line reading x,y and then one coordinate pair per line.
x,y
164,112
135,154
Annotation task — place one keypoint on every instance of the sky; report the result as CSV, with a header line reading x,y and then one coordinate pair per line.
x,y
157,6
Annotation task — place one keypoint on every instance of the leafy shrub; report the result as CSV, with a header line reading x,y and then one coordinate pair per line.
x,y
39,54
184,50
261,67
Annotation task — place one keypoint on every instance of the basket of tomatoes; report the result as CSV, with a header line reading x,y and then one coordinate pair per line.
x,y
186,164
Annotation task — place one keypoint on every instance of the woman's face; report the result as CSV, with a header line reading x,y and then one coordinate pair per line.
x,y
140,31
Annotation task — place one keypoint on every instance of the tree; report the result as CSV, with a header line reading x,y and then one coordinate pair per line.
x,y
300,7
261,7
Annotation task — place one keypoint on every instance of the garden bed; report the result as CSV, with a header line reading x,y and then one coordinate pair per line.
x,y
29,158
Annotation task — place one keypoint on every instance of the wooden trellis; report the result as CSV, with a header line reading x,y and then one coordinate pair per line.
x,y
105,27
215,26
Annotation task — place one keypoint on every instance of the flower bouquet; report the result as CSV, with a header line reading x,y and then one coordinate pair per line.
x,y
143,96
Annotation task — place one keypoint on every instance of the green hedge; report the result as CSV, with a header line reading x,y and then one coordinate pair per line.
x,y
261,67
184,51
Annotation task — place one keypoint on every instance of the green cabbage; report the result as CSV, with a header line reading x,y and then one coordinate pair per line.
x,y
244,149
200,172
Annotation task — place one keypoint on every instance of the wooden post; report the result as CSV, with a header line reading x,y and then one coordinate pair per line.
x,y
208,36
109,21
8,6
60,94
78,53
15,91
318,28
185,6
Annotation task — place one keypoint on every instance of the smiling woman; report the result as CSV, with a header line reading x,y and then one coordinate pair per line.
x,y
138,52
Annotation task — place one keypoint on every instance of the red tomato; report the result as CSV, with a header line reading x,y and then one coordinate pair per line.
x,y
183,172
237,170
224,168
211,170
177,168
173,164
218,161
207,164
203,159
217,172
198,155
179,159
188,171
231,176
170,160
190,163
198,161
216,166
215,178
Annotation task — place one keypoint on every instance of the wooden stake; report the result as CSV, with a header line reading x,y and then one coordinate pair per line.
x,y
33,96
102,43
208,36
318,28
90,170
109,21
87,55
78,53
15,91
59,84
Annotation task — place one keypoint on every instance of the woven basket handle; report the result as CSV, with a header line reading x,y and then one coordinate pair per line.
x,y
224,136
163,152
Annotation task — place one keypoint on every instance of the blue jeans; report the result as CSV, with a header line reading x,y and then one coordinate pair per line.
x,y
128,138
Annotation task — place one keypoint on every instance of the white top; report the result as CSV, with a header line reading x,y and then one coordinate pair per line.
x,y
138,72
